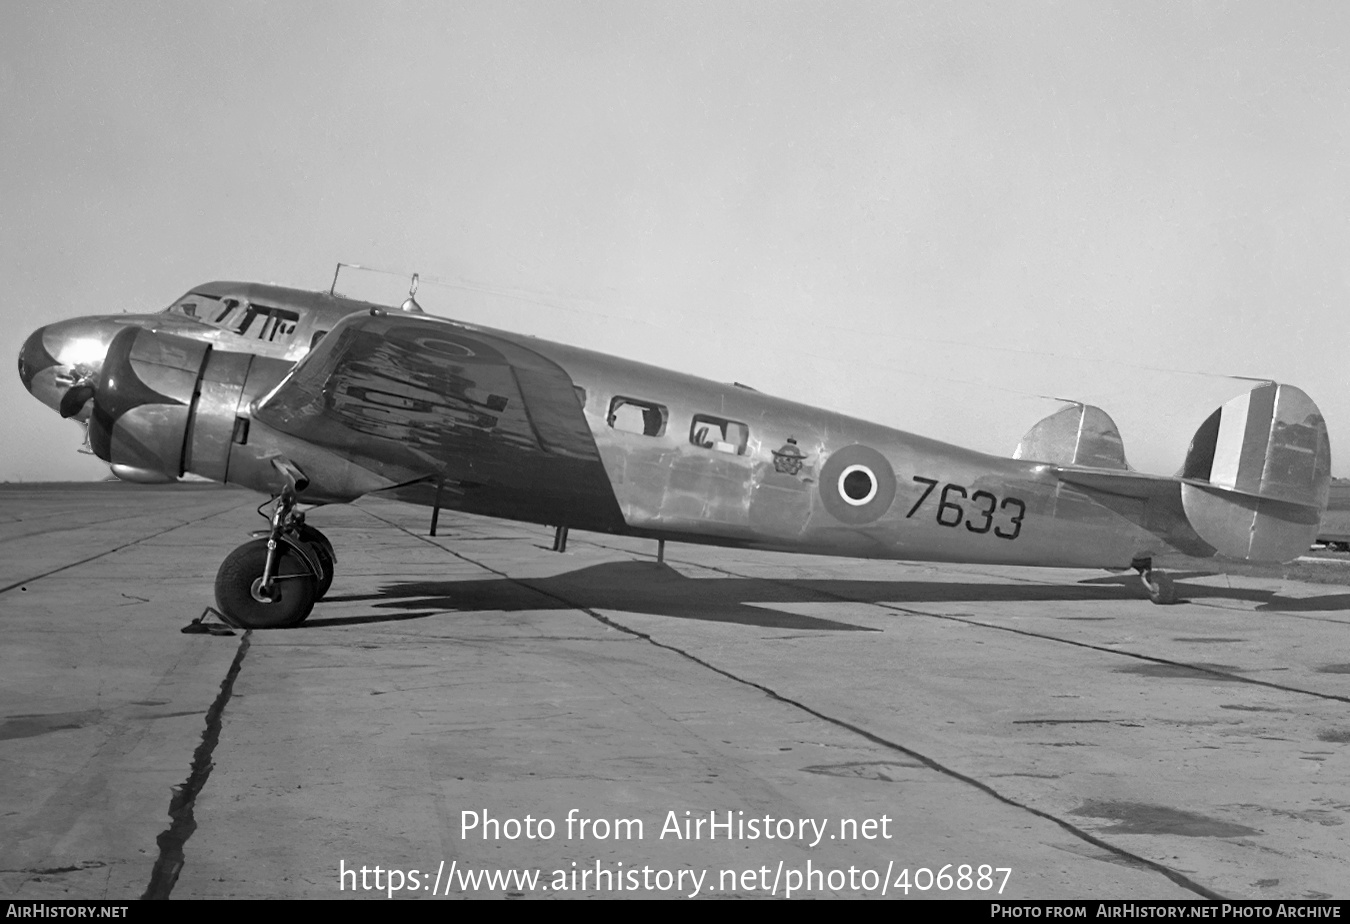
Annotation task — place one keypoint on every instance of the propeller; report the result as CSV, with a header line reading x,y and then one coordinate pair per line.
x,y
77,396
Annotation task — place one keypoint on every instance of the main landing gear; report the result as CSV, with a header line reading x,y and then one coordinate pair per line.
x,y
273,582
1160,587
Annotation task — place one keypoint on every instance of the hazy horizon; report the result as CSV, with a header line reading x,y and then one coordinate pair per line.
x,y
936,216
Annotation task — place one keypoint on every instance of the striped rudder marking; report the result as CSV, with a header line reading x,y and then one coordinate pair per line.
x,y
1258,472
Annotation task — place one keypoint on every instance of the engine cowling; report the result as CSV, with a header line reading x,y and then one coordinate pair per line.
x,y
167,404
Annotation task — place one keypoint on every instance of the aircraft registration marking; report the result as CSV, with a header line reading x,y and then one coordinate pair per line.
x,y
951,514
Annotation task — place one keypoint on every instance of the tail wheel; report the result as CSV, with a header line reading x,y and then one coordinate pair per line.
x,y
323,551
1161,588
239,591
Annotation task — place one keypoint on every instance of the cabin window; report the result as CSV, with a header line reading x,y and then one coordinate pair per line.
x,y
632,415
719,434
318,335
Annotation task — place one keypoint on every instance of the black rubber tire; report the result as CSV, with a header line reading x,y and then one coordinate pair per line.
x,y
319,543
1162,590
244,566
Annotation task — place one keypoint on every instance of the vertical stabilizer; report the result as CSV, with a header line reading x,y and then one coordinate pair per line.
x,y
1083,434
1257,475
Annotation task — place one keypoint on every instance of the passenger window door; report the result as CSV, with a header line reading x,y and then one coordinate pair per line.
x,y
719,434
633,415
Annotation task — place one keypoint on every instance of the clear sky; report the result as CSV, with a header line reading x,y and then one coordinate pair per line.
x,y
924,214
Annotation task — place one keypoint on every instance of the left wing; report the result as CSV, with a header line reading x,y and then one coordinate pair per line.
x,y
415,396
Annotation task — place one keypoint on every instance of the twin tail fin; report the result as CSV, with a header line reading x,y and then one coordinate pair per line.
x,y
1257,475
1254,484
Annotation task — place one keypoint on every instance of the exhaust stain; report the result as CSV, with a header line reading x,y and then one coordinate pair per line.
x,y
1034,776
1334,669
882,770
1061,721
1335,736
1323,817
1105,856
1214,673
1207,641
149,702
58,870
165,715
30,726
1142,818
1253,709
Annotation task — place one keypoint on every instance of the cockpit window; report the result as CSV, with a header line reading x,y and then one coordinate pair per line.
x,y
190,306
253,321
271,325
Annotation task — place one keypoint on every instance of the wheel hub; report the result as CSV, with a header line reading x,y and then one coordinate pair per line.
x,y
260,593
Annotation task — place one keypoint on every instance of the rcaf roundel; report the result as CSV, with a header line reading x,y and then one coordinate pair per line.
x,y
857,485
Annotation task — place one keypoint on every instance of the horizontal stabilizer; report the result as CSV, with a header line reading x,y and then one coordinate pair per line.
x,y
1250,528
1257,475
1115,481
1080,435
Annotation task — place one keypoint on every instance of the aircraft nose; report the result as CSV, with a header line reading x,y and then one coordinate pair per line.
x,y
62,361
34,358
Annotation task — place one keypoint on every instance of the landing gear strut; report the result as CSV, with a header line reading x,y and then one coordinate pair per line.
x,y
1160,587
272,582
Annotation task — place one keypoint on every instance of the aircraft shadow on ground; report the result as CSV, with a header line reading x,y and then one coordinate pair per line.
x,y
1268,601
659,590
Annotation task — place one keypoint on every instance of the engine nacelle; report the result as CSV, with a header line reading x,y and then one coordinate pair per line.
x,y
167,404
140,475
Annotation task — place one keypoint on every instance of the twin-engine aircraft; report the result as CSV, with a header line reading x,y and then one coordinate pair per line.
x,y
315,399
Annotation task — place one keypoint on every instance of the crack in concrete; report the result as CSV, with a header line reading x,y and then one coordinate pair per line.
x,y
1201,670
125,545
1175,876
171,840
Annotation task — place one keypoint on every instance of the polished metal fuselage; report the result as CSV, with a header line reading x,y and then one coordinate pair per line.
x,y
793,478
668,487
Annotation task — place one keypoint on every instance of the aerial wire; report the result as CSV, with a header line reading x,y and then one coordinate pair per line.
x,y
542,300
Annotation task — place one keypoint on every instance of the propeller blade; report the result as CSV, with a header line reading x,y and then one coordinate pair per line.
x,y
76,397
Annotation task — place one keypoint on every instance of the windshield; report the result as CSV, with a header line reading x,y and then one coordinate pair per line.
x,y
256,322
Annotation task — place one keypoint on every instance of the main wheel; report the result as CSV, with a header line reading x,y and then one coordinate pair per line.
x,y
323,551
1161,588
239,587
